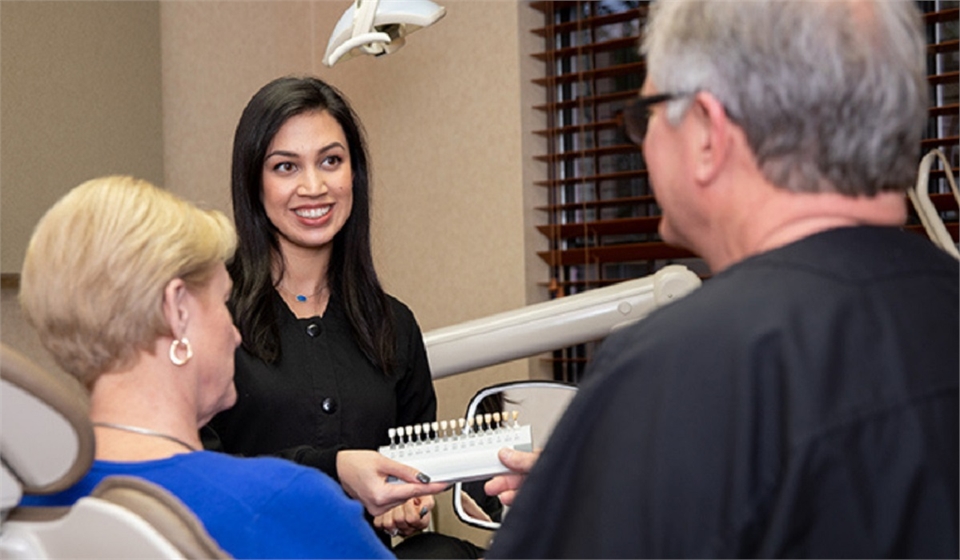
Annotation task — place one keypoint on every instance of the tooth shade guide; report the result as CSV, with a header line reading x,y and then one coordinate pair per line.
x,y
444,432
470,454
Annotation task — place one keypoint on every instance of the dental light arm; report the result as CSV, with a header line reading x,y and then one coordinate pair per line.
x,y
554,324
920,197
378,27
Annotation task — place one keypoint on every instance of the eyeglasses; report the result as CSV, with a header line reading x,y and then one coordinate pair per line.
x,y
636,114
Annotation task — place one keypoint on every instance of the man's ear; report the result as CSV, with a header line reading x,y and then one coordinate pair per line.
x,y
714,137
174,306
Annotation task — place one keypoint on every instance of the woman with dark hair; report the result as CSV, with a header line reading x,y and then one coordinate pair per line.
x,y
329,361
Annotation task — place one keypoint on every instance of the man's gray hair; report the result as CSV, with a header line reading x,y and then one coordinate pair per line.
x,y
832,95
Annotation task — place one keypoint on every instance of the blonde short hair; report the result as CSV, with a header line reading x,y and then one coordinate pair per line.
x,y
98,263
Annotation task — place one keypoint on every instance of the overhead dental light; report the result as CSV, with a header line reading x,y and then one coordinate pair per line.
x,y
378,27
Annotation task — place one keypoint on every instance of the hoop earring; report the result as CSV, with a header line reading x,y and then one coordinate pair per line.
x,y
177,360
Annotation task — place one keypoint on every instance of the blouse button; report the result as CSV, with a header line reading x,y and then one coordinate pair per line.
x,y
329,405
313,330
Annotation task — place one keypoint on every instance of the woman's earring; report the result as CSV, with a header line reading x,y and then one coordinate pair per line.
x,y
174,357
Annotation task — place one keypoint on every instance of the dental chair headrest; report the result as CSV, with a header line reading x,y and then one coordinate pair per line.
x,y
47,440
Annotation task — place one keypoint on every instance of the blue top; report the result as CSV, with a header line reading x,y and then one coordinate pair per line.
x,y
253,507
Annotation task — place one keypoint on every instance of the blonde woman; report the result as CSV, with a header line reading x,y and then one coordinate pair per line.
x,y
126,285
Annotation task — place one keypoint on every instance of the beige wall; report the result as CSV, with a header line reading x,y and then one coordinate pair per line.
x,y
79,98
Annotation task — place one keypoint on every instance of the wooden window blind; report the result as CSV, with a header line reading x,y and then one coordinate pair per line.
x,y
942,22
601,218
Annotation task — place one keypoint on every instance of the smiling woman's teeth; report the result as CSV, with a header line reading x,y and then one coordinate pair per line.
x,y
313,212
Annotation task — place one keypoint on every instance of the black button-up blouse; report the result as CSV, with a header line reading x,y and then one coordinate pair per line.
x,y
323,395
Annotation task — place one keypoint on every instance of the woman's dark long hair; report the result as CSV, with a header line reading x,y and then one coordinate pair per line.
x,y
351,275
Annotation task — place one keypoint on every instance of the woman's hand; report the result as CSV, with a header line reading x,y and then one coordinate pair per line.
x,y
363,475
406,519
506,486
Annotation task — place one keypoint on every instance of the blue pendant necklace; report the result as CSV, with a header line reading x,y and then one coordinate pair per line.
x,y
301,297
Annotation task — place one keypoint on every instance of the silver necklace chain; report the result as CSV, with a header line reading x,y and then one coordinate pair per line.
x,y
301,297
144,432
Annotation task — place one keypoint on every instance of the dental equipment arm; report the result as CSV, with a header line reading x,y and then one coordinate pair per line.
x,y
554,324
378,27
926,211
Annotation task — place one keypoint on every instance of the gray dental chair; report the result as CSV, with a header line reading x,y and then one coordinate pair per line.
x,y
46,445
